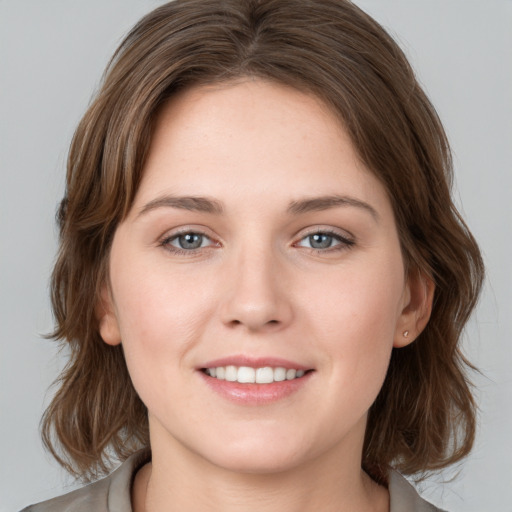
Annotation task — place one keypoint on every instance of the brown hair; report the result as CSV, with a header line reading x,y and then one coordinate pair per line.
x,y
424,416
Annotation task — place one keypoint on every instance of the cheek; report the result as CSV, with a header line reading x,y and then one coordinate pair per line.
x,y
160,321
363,304
157,333
155,302
355,321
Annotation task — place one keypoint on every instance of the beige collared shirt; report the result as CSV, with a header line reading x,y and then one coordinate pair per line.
x,y
112,494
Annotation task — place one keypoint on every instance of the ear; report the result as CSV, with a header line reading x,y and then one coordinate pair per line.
x,y
417,308
107,320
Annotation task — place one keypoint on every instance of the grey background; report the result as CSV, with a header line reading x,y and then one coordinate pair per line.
x,y
52,54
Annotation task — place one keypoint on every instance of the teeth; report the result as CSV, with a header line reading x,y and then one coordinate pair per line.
x,y
264,375
291,374
246,374
279,374
231,373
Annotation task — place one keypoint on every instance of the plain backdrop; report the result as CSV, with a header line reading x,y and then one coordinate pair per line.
x,y
52,54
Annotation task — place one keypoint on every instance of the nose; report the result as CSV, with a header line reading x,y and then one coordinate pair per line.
x,y
257,297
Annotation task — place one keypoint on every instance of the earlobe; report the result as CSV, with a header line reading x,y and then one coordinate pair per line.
x,y
107,320
417,308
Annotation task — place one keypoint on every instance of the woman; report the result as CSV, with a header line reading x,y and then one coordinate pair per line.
x,y
262,277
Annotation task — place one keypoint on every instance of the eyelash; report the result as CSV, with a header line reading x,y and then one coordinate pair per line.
x,y
166,243
345,242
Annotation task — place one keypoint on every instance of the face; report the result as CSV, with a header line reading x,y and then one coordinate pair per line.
x,y
257,285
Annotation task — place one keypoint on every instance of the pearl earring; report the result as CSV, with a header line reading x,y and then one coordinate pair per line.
x,y
406,334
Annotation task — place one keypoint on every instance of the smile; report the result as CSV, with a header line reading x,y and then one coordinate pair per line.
x,y
249,375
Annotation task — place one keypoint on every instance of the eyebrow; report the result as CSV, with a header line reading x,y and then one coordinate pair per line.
x,y
212,206
316,204
192,203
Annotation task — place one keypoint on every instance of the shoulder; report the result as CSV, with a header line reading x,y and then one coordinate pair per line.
x,y
110,494
90,497
405,498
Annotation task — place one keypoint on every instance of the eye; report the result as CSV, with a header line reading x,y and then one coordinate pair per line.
x,y
188,241
325,240
319,241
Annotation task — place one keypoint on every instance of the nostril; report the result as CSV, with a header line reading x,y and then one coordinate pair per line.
x,y
269,322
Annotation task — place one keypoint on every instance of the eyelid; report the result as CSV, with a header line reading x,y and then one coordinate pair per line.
x,y
345,239
343,234
176,237
169,235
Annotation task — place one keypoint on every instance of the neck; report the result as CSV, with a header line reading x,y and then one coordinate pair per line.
x,y
177,480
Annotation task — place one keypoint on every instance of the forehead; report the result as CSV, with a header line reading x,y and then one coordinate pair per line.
x,y
256,106
253,136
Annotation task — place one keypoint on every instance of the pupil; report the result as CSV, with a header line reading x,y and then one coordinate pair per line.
x,y
320,241
190,241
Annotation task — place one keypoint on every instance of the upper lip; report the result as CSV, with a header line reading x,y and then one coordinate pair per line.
x,y
255,362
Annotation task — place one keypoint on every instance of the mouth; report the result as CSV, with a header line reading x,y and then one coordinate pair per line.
x,y
250,375
255,381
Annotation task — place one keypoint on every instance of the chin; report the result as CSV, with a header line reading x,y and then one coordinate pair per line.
x,y
248,463
265,456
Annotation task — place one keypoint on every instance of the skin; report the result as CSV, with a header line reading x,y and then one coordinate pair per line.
x,y
257,287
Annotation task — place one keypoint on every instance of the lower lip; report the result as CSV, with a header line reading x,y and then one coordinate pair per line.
x,y
255,394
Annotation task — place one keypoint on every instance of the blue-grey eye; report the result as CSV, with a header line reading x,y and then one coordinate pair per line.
x,y
321,241
325,240
188,241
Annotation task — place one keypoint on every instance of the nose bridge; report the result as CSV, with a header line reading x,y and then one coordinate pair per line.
x,y
257,297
